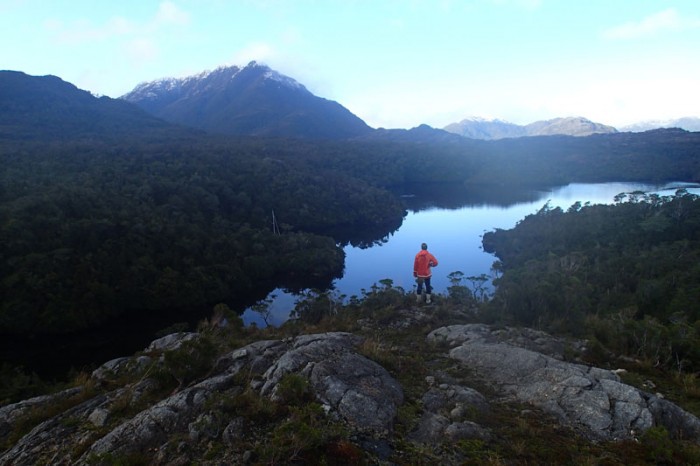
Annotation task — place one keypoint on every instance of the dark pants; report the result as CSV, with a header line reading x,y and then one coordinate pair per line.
x,y
420,281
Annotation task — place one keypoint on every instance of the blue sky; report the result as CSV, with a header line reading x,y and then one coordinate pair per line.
x,y
395,64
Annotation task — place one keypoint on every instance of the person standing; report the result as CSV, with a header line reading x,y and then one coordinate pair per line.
x,y
421,270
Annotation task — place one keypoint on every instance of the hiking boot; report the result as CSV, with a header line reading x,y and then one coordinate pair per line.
x,y
427,299
418,298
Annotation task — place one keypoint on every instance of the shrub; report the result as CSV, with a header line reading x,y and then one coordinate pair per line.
x,y
293,390
659,445
193,359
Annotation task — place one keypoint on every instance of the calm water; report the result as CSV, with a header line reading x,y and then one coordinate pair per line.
x,y
452,222
454,237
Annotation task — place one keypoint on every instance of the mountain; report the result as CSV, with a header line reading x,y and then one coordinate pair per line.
x,y
254,100
479,128
686,123
571,126
46,107
422,134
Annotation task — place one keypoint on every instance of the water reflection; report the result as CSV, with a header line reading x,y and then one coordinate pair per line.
x,y
453,228
419,197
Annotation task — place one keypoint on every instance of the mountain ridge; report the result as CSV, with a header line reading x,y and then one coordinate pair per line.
x,y
686,123
476,127
481,128
252,101
47,107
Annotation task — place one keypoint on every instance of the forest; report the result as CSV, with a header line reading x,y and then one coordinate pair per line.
x,y
158,218
626,275
91,231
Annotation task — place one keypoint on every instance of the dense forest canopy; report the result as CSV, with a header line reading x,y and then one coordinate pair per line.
x,y
654,156
93,230
627,274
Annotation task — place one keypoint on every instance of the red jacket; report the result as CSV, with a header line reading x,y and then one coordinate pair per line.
x,y
421,266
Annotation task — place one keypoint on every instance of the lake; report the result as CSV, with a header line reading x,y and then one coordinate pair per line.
x,y
451,220
453,236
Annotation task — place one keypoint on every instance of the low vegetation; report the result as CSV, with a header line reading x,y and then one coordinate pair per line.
x,y
294,429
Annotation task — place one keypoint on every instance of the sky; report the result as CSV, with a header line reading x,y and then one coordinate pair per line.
x,y
393,63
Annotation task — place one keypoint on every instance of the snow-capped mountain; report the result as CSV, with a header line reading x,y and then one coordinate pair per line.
x,y
254,100
480,128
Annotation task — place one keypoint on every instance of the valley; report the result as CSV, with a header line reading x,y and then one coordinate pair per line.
x,y
160,205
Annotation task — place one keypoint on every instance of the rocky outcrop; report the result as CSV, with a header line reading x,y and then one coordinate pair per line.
x,y
590,399
446,412
351,387
348,384
122,412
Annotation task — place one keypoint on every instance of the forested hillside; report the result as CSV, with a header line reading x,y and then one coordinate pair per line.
x,y
46,108
653,156
626,274
94,230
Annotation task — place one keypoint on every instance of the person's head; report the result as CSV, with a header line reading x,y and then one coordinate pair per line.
x,y
424,247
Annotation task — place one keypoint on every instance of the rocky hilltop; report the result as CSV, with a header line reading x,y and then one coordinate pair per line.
x,y
383,387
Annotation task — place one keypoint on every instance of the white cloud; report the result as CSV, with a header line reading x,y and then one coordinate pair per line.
x,y
282,60
258,51
53,25
291,36
666,20
527,4
77,32
169,13
119,25
81,30
141,50
9,5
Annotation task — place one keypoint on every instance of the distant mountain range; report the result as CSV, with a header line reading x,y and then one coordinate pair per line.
x,y
46,110
480,128
253,101
687,123
250,101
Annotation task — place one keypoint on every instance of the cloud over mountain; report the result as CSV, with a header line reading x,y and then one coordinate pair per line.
x,y
254,100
